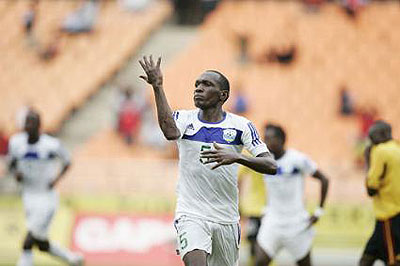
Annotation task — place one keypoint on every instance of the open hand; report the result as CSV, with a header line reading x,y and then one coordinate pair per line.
x,y
220,156
153,71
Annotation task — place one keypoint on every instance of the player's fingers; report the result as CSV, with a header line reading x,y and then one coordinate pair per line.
x,y
143,65
217,165
212,161
208,152
147,63
144,78
151,60
209,156
216,146
159,62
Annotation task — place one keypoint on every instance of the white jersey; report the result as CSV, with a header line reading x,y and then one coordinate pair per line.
x,y
201,192
36,162
285,190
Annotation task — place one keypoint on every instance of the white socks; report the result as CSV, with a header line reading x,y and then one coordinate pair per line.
x,y
26,258
61,253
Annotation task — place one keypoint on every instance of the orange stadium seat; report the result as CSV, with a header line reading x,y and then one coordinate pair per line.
x,y
83,64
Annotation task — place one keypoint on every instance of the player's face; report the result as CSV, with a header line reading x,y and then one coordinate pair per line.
x,y
32,123
274,143
207,93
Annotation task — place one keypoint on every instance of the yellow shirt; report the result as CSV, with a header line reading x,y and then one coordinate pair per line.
x,y
384,176
252,200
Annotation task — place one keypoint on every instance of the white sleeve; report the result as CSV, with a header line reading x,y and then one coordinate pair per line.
x,y
251,140
308,166
181,118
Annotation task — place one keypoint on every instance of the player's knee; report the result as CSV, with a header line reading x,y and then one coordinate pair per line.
x,y
28,242
43,245
195,258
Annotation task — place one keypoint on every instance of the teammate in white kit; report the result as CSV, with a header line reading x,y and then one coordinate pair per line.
x,y
33,161
286,223
210,141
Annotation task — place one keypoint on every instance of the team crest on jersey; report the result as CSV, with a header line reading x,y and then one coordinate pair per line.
x,y
229,135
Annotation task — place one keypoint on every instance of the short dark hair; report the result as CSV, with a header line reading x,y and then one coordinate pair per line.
x,y
381,125
280,133
223,81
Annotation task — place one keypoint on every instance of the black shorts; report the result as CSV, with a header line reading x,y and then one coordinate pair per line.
x,y
384,243
253,226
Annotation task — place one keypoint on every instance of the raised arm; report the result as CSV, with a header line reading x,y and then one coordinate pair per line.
x,y
164,113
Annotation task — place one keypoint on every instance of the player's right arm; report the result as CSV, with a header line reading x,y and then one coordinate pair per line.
x,y
164,113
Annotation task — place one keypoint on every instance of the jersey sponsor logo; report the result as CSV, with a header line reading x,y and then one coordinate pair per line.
x,y
229,134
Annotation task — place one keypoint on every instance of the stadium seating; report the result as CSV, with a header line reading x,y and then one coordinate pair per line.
x,y
83,64
304,97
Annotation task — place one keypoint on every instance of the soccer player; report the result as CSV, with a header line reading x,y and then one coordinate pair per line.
x,y
210,141
383,185
33,161
286,223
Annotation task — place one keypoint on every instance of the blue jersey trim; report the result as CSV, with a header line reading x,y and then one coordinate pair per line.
x,y
215,134
207,122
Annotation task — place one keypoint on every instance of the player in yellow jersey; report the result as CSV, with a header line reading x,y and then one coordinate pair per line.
x,y
252,202
383,185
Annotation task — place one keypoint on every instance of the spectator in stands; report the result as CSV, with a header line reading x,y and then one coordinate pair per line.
x,y
29,21
129,118
240,102
283,55
83,19
352,7
313,5
3,143
346,102
51,50
243,43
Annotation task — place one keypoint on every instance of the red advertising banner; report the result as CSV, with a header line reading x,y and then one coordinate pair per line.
x,y
125,240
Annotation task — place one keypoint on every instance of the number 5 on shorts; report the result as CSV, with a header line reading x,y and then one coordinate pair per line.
x,y
183,241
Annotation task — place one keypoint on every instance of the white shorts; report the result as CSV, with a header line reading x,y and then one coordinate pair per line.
x,y
295,238
220,241
39,211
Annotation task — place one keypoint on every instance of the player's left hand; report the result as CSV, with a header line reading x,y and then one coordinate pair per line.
x,y
220,156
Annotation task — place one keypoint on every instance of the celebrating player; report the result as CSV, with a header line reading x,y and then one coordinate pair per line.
x,y
32,157
210,141
383,184
286,223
